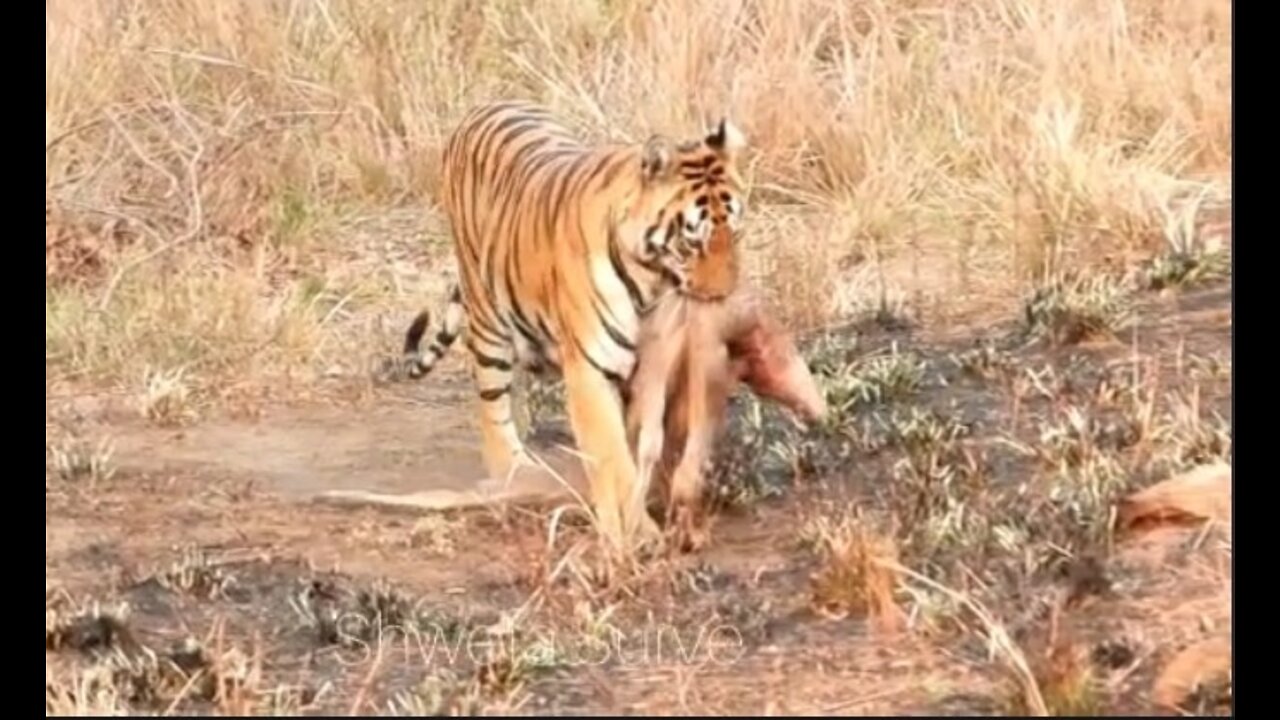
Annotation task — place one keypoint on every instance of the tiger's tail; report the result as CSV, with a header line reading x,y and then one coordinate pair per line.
x,y
417,364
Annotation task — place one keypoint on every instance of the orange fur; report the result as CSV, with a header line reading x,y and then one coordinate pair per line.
x,y
692,357
561,247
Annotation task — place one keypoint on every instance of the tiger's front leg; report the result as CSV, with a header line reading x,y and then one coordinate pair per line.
x,y
596,415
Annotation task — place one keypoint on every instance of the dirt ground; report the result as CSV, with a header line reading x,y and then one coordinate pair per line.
x,y
214,532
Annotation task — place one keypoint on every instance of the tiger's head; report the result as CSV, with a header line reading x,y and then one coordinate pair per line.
x,y
693,203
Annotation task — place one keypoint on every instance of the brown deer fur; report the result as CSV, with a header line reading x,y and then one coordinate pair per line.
x,y
692,355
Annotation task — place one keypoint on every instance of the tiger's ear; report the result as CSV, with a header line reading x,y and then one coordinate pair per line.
x,y
657,159
725,137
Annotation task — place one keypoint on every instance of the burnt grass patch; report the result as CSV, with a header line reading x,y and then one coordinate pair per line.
x,y
991,467
271,618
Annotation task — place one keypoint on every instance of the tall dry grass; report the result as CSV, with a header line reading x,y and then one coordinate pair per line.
x,y
245,188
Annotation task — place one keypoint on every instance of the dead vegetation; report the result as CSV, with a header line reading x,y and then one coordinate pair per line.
x,y
118,674
78,459
227,205
1071,309
233,219
855,578
950,521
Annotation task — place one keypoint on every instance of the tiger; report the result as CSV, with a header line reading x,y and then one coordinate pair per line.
x,y
562,246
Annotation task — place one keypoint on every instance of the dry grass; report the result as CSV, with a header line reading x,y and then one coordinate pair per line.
x,y
972,562
77,459
1068,310
224,182
853,579
195,573
119,683
1064,675
114,674
240,201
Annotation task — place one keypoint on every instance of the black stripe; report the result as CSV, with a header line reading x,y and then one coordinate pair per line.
x,y
518,191
528,333
468,228
610,375
493,140
479,160
612,173
703,162
652,265
413,336
615,334
506,192
543,216
514,132
602,308
660,269
501,134
479,133
620,269
516,174
554,211
478,122
508,198
491,256
521,321
546,331
516,185
486,331
517,314
524,327
598,168
543,159
495,393
512,183
488,361
534,166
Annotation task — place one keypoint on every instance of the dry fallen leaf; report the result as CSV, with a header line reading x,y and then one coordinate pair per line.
x,y
1200,494
1196,666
